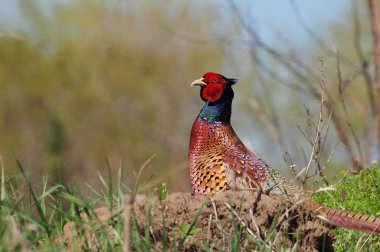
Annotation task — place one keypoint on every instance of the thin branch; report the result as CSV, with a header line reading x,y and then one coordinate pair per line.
x,y
341,86
270,125
375,27
267,243
297,68
364,62
315,151
127,223
319,139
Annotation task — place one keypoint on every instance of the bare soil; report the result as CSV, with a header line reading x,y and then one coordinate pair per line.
x,y
254,219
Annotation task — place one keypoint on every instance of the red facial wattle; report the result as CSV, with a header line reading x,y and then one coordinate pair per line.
x,y
213,86
212,92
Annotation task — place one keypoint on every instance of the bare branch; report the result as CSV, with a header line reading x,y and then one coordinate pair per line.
x,y
127,223
315,151
364,62
272,127
299,70
375,26
341,85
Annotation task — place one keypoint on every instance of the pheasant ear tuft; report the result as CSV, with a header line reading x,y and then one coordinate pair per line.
x,y
212,92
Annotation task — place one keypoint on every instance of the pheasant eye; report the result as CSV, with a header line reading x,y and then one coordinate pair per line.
x,y
215,80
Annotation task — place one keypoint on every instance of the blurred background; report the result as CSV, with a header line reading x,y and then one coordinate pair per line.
x,y
87,86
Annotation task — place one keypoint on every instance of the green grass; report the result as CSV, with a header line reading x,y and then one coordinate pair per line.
x,y
32,220
35,219
360,193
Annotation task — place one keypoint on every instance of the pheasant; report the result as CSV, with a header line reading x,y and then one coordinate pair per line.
x,y
219,161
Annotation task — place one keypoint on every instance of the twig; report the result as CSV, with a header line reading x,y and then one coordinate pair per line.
x,y
272,125
127,223
375,27
286,217
258,234
327,129
209,228
364,62
247,228
296,67
217,218
341,86
290,164
315,150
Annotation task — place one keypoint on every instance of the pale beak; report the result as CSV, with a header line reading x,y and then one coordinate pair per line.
x,y
199,82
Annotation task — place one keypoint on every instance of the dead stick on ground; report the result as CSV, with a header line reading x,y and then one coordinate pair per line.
x,y
127,223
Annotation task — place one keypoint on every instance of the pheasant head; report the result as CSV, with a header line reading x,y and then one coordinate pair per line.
x,y
213,86
217,92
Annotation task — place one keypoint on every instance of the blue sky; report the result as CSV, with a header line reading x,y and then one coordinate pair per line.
x,y
273,17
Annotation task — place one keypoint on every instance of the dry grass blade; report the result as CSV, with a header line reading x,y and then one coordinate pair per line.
x,y
269,246
127,223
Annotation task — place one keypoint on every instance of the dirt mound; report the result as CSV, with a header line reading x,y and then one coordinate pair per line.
x,y
246,219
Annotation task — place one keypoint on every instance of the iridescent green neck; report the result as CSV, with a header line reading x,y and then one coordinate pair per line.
x,y
216,112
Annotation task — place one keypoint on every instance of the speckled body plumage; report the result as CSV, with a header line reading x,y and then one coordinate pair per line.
x,y
218,160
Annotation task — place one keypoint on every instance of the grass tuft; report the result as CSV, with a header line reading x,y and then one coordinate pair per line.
x,y
359,193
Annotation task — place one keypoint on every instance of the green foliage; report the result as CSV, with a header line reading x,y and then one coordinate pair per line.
x,y
359,193
35,221
190,229
162,191
142,242
183,229
75,87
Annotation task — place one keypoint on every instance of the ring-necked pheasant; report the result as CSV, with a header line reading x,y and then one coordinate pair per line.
x,y
218,160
